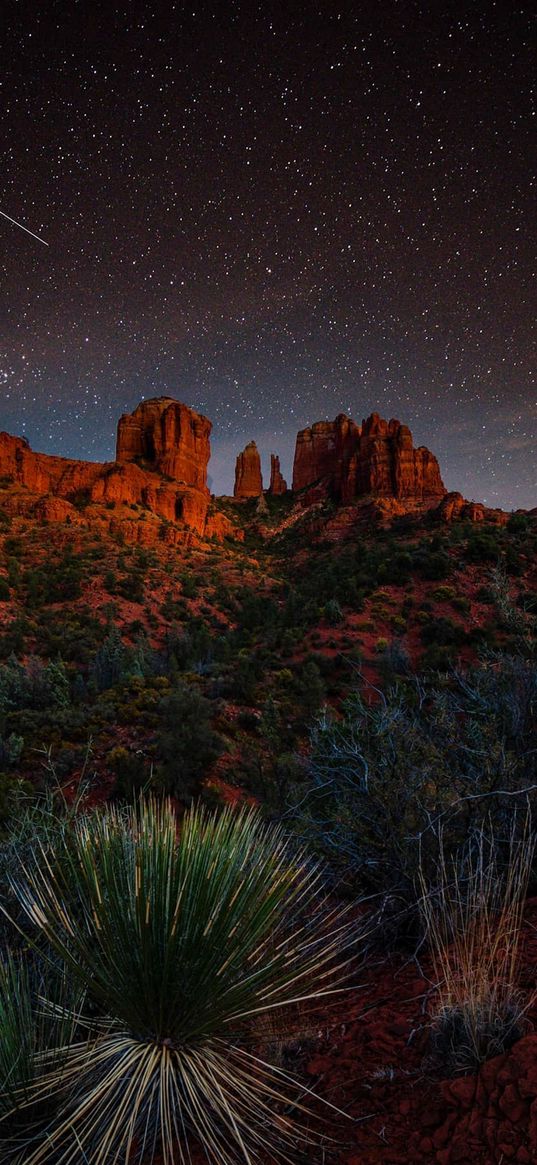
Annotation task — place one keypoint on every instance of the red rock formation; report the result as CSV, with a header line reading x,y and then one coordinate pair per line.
x,y
248,479
377,458
51,509
278,485
321,450
454,508
167,437
163,451
42,473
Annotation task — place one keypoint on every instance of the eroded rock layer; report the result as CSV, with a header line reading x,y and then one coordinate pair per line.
x,y
346,460
162,454
167,437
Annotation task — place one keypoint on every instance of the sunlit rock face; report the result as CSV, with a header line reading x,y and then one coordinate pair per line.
x,y
248,479
167,437
163,450
345,460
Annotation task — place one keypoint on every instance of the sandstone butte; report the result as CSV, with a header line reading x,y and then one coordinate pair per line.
x,y
345,461
160,473
163,450
248,479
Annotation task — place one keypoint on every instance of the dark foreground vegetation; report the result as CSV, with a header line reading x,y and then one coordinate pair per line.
x,y
373,710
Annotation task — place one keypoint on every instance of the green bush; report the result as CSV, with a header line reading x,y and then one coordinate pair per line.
x,y
187,744
442,632
444,593
132,772
333,612
30,1032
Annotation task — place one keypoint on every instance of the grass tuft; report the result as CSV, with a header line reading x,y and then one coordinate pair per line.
x,y
473,918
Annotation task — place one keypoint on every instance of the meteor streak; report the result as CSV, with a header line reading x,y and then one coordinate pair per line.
x,y
19,224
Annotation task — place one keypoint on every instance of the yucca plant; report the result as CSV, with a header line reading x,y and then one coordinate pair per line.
x,y
181,938
38,1019
473,917
17,1031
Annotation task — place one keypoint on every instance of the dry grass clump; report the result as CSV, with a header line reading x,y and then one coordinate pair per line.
x,y
473,918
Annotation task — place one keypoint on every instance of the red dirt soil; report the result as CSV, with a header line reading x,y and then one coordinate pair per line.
x,y
368,1057
372,1063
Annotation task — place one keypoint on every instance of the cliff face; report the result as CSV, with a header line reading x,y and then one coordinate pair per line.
x,y
248,479
42,473
166,437
162,454
345,461
322,452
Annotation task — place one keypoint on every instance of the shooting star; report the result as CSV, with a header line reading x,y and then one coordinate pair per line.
x,y
19,224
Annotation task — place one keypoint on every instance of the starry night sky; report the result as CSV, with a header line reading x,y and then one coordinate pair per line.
x,y
274,214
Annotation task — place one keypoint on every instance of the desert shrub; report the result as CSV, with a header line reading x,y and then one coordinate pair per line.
x,y
394,662
472,914
308,691
110,664
110,582
36,820
131,770
461,603
33,685
444,594
13,640
519,524
431,564
172,935
132,586
14,546
12,791
189,587
275,779
54,582
242,681
333,612
426,751
13,572
438,658
397,569
74,635
256,612
442,632
483,546
186,744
